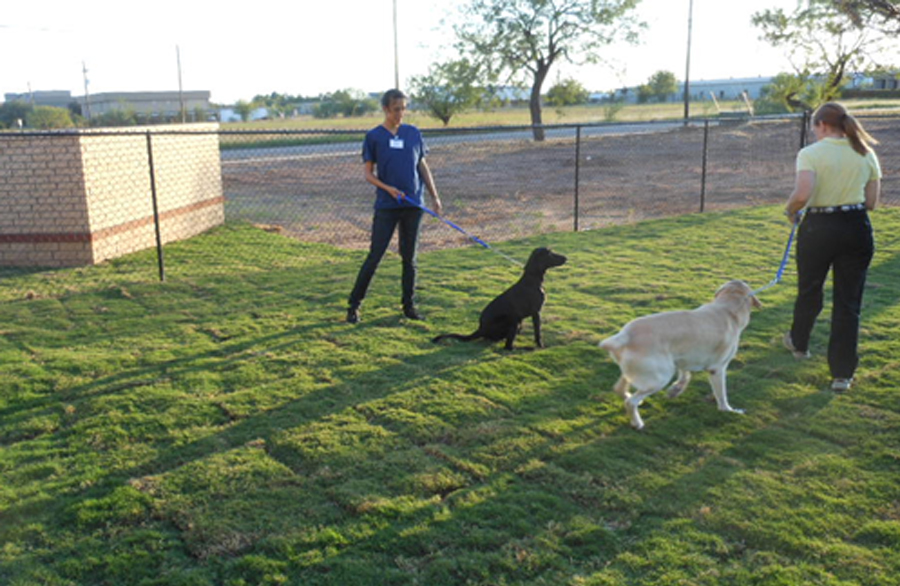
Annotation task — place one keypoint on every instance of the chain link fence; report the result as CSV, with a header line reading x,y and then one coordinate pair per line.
x,y
499,184
496,183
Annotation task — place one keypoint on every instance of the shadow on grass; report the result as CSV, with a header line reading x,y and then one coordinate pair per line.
x,y
527,470
589,493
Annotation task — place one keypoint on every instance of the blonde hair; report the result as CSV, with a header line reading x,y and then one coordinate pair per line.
x,y
836,115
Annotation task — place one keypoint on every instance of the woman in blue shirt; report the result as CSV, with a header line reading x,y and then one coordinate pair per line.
x,y
394,158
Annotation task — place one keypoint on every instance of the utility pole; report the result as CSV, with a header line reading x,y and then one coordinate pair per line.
x,y
87,95
396,52
687,68
180,91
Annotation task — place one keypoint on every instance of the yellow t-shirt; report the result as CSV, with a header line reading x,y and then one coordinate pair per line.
x,y
841,172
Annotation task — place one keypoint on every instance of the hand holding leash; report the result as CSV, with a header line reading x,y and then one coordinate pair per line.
x,y
784,258
795,217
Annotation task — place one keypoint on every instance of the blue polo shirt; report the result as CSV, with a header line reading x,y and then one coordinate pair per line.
x,y
396,158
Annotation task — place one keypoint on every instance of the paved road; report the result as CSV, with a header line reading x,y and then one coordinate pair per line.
x,y
434,139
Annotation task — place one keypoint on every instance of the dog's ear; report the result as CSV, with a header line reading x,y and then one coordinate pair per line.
x,y
722,289
736,290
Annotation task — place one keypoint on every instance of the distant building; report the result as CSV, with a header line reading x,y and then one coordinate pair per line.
x,y
886,83
732,89
881,81
55,98
701,90
164,105
725,89
509,95
230,115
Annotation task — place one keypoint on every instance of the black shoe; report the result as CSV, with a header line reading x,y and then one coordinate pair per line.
x,y
353,315
412,313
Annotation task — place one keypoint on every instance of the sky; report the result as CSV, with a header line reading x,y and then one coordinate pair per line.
x,y
310,47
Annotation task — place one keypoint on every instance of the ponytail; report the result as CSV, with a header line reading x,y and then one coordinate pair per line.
x,y
835,115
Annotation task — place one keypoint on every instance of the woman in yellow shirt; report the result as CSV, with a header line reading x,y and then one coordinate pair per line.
x,y
838,182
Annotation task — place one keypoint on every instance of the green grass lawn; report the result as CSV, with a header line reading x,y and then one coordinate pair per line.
x,y
520,116
227,428
508,116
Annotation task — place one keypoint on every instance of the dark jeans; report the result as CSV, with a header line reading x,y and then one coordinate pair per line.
x,y
383,224
841,242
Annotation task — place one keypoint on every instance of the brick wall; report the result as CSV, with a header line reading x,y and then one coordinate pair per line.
x,y
78,198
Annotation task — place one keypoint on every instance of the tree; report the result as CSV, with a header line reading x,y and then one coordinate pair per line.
x,y
276,104
528,37
663,84
48,118
659,87
881,14
346,103
122,116
789,93
12,112
447,89
281,105
821,41
567,93
243,109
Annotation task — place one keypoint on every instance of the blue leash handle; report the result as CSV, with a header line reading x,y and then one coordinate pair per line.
x,y
475,239
449,223
784,260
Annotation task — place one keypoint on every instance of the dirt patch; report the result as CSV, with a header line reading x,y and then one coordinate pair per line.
x,y
506,189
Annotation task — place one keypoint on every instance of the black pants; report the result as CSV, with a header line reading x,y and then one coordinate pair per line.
x,y
383,225
841,242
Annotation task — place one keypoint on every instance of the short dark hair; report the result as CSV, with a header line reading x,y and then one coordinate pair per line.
x,y
391,96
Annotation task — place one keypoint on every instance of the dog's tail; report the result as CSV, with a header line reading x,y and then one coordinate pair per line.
x,y
614,345
472,336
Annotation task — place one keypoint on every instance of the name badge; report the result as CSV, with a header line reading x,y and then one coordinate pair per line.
x,y
396,143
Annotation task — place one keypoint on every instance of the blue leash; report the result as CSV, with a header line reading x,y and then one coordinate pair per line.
x,y
784,259
475,239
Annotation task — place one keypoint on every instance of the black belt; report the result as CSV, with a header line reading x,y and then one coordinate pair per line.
x,y
856,207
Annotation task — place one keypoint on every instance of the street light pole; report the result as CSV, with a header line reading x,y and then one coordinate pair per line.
x,y
180,88
687,68
87,94
396,52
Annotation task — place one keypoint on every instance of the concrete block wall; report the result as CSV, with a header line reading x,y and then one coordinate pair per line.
x,y
43,209
70,199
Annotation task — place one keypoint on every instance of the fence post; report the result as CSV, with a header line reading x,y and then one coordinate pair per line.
x,y
804,128
159,247
577,170
705,158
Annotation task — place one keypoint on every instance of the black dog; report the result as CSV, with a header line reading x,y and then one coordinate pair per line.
x,y
502,317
